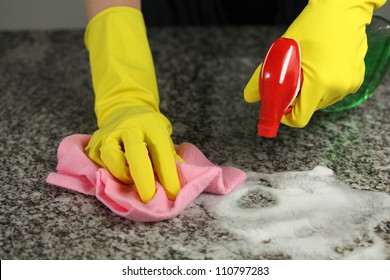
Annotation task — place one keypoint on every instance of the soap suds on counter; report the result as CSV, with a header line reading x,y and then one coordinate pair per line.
x,y
306,215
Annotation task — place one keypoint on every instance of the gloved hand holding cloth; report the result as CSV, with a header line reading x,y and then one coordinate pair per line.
x,y
133,139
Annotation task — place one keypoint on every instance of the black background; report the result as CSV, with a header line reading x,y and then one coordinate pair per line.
x,y
220,12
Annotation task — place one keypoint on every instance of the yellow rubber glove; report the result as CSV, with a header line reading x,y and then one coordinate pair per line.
x,y
133,138
333,42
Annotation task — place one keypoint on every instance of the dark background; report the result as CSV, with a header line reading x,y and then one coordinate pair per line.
x,y
220,12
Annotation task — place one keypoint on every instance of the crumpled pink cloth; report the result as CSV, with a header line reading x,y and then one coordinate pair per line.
x,y
75,171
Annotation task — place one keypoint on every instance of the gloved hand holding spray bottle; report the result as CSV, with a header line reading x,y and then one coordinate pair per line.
x,y
319,61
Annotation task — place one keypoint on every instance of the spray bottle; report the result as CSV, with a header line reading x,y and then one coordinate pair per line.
x,y
281,76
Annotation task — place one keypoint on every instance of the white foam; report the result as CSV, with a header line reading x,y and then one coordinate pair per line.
x,y
312,216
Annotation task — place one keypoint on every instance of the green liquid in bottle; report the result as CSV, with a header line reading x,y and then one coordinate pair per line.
x,y
377,62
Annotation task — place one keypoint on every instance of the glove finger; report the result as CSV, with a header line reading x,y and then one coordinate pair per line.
x,y
163,157
304,106
251,91
140,166
175,155
179,158
113,157
93,153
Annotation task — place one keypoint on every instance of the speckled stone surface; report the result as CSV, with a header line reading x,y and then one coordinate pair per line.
x,y
46,94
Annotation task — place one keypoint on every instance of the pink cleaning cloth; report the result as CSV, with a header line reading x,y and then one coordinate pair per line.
x,y
75,171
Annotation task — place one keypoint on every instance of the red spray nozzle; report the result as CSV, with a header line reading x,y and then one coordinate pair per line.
x,y
279,83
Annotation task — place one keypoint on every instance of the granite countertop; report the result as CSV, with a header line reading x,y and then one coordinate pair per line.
x,y
46,94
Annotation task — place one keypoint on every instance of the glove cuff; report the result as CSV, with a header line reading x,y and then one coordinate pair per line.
x,y
121,61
